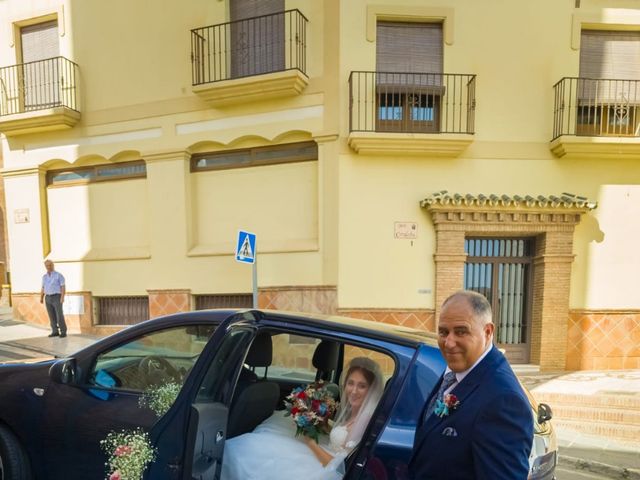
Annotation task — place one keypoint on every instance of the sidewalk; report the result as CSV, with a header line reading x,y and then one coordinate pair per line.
x,y
34,338
595,453
616,391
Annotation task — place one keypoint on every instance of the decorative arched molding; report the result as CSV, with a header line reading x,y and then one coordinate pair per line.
x,y
249,141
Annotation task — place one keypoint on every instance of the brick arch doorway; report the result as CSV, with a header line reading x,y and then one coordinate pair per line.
x,y
551,220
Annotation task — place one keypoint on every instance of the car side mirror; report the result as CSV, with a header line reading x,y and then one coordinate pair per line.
x,y
544,413
63,371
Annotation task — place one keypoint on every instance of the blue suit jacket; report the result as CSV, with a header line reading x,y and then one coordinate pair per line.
x,y
488,436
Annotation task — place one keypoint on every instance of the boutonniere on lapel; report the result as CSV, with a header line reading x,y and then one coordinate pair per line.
x,y
445,406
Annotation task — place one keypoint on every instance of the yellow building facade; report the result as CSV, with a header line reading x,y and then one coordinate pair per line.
x,y
386,154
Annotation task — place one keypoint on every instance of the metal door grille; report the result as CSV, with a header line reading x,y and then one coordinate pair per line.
x,y
121,310
240,300
500,269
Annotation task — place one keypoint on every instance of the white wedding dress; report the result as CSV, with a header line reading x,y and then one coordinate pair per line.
x,y
273,452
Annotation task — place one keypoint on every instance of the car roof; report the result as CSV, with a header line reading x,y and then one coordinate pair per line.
x,y
385,331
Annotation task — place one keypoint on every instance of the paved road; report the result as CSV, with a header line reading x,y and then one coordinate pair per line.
x,y
565,473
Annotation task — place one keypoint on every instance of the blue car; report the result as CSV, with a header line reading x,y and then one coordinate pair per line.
x,y
232,369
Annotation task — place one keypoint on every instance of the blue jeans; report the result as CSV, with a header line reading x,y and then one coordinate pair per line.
x,y
56,317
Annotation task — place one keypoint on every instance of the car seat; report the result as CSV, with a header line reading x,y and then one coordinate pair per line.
x,y
257,398
325,360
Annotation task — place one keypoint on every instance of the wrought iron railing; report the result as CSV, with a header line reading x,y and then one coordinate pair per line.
x,y
596,107
412,102
38,85
253,46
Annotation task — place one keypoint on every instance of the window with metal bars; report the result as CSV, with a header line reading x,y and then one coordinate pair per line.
x,y
97,173
237,300
254,157
126,310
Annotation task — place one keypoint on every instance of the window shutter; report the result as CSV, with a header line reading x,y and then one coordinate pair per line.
x,y
609,55
257,44
409,47
41,79
241,9
40,41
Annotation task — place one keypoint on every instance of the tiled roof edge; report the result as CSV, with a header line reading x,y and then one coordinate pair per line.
x,y
565,200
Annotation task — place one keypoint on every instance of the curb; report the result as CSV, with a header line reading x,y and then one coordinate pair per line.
x,y
31,348
609,471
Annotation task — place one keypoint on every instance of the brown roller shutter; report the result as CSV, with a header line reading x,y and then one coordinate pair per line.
x,y
39,41
409,47
40,50
609,55
241,9
614,55
257,42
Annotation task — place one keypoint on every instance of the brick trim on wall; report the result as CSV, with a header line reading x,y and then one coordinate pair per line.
x,y
552,227
421,319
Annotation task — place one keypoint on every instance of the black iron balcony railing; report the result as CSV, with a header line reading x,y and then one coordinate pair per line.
x,y
253,46
38,85
596,107
412,102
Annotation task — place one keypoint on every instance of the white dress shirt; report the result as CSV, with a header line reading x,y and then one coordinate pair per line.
x,y
460,375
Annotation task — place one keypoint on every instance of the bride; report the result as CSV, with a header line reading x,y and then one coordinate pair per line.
x,y
272,451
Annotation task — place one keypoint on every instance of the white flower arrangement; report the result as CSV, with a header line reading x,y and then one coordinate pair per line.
x,y
130,452
159,399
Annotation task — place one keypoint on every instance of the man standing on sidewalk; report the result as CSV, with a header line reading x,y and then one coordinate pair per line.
x,y
53,295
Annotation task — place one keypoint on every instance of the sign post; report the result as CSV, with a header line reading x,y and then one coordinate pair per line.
x,y
246,253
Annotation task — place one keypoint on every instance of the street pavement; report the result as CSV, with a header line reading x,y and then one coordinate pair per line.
x,y
582,456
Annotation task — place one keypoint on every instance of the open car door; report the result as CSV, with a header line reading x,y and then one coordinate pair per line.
x,y
190,437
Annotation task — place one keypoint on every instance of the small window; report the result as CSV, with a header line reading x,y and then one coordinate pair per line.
x,y
253,157
122,310
97,173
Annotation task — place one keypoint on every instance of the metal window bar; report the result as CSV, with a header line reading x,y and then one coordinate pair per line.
x,y
127,310
239,300
247,47
38,85
411,102
596,107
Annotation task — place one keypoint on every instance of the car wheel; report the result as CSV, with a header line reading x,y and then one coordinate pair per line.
x,y
14,464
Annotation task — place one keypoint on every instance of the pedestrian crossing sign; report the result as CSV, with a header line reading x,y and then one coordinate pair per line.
x,y
246,249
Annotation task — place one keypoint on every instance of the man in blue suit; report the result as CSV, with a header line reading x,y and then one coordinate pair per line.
x,y
478,424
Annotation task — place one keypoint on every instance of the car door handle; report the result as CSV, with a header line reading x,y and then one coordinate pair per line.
x,y
219,436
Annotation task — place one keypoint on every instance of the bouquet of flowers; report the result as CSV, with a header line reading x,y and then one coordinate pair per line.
x,y
130,452
311,407
160,398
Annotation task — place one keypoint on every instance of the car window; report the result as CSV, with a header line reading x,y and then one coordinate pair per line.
x,y
292,355
387,364
151,360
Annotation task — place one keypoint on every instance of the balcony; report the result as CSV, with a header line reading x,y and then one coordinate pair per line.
x,y
427,114
249,60
38,96
596,118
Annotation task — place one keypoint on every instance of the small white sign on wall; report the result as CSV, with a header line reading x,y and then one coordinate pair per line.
x,y
73,305
405,230
21,215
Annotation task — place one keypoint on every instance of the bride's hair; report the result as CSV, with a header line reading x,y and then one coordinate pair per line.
x,y
373,375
